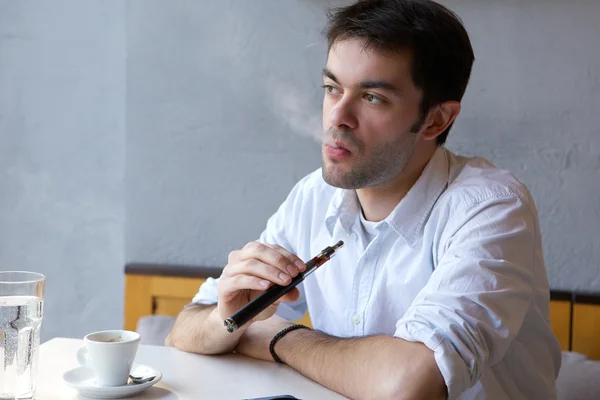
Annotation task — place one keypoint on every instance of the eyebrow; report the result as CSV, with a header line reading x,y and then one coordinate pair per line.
x,y
330,75
372,84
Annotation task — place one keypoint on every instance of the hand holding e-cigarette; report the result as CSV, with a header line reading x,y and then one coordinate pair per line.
x,y
270,296
252,270
260,276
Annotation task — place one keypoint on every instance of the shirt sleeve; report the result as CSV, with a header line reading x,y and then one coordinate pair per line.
x,y
274,233
476,300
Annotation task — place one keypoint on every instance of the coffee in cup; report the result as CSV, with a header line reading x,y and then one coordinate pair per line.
x,y
110,355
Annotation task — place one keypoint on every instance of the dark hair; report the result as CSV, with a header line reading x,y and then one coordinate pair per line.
x,y
440,46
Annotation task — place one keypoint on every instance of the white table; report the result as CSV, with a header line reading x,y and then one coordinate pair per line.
x,y
185,376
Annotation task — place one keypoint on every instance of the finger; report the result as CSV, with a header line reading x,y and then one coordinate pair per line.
x,y
271,256
234,256
229,287
259,269
290,256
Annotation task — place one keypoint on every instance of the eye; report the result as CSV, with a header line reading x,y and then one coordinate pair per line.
x,y
329,89
372,99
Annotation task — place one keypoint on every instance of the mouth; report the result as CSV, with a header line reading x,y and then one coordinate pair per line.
x,y
336,150
337,145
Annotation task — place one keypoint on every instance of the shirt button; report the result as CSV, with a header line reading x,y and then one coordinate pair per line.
x,y
356,319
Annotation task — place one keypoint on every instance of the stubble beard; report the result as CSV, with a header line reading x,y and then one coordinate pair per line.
x,y
381,165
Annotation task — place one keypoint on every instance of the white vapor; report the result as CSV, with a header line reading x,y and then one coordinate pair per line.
x,y
295,109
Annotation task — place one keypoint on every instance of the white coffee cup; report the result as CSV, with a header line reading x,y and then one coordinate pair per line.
x,y
110,355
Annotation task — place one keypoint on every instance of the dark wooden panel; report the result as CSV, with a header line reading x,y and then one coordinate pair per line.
x,y
587,298
185,271
561,295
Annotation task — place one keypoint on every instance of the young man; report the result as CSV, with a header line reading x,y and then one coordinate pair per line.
x,y
440,290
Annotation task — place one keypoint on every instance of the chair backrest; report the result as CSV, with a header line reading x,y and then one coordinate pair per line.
x,y
575,319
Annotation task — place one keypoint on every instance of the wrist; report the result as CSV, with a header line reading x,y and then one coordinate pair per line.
x,y
280,336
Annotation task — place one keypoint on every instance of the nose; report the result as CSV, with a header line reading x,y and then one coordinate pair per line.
x,y
342,115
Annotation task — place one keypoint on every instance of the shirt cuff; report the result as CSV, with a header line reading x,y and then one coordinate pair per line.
x,y
453,368
207,294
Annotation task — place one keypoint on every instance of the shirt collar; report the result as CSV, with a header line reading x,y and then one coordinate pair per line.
x,y
408,217
343,207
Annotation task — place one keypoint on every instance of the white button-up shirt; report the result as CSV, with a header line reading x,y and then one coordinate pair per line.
x,y
457,265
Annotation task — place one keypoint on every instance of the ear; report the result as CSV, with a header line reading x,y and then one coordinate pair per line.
x,y
439,118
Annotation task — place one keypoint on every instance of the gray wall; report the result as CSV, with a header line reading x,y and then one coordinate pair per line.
x,y
62,156
218,94
215,111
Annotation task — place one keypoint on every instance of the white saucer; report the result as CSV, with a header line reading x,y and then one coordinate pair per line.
x,y
82,379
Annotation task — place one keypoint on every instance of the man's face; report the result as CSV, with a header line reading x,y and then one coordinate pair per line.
x,y
370,115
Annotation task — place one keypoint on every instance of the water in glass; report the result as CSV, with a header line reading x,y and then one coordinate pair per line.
x,y
20,322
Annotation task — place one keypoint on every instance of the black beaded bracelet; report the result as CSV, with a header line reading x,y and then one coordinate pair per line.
x,y
279,335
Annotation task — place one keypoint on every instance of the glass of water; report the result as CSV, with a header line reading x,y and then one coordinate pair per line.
x,y
21,309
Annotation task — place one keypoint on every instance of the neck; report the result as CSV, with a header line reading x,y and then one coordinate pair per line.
x,y
379,201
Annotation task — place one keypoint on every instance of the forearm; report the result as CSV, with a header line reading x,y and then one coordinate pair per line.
x,y
379,367
199,329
